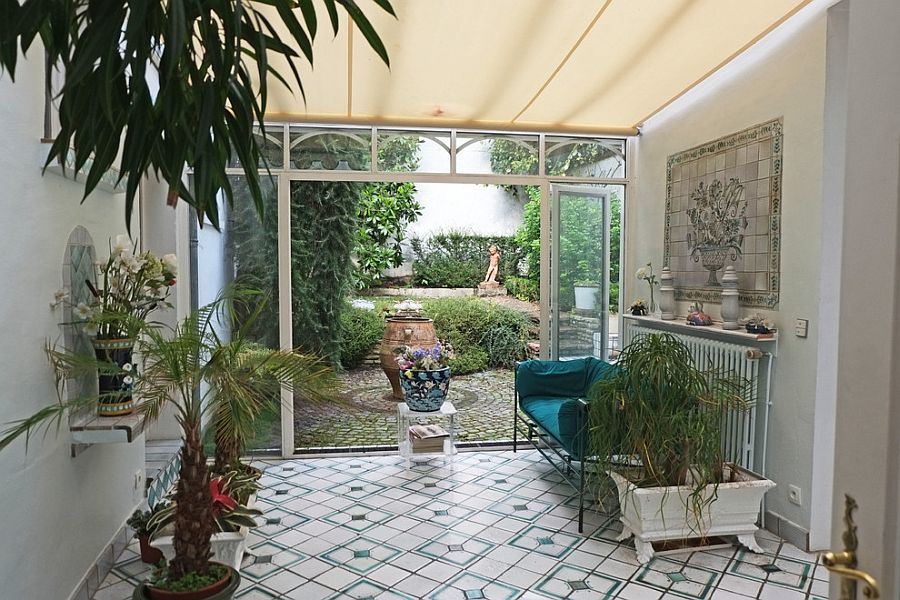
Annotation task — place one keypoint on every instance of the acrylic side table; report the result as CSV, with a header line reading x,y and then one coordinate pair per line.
x,y
407,418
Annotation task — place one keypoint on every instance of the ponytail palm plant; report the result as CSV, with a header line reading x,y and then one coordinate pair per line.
x,y
204,368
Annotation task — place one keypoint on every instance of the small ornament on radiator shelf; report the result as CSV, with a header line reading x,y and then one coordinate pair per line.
x,y
666,295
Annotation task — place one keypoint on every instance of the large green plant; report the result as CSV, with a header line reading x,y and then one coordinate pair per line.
x,y
197,372
213,59
664,414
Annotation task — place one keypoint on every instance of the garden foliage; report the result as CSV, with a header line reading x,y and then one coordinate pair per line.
x,y
456,259
361,331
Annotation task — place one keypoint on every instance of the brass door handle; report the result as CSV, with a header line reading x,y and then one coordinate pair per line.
x,y
844,563
840,564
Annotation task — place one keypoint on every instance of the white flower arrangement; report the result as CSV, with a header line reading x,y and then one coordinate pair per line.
x,y
408,307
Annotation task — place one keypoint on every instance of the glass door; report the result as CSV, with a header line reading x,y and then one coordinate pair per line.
x,y
579,272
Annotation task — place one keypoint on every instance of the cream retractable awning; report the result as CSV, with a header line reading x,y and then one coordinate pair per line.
x,y
591,66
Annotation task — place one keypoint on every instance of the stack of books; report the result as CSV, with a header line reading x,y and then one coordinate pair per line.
x,y
427,438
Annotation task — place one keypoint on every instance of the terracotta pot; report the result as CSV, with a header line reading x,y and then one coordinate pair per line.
x,y
221,590
149,554
403,331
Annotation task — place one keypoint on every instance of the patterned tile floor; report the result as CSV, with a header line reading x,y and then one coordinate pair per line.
x,y
484,526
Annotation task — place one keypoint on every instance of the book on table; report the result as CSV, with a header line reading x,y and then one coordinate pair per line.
x,y
427,438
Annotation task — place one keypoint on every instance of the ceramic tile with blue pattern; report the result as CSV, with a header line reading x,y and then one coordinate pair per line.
x,y
500,482
356,489
257,592
545,541
269,559
441,513
790,573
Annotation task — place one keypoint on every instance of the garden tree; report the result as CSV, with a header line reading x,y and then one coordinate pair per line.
x,y
213,59
384,213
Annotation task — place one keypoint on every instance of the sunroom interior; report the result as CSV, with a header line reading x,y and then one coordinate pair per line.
x,y
796,99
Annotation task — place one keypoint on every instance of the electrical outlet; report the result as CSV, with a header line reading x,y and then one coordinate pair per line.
x,y
794,495
801,327
138,480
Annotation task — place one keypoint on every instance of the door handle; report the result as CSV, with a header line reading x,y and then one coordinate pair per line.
x,y
843,564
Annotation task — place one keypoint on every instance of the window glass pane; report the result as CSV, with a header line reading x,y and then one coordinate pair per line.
x,y
246,251
271,147
584,157
412,151
502,155
331,149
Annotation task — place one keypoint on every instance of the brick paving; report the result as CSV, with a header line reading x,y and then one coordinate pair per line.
x,y
367,414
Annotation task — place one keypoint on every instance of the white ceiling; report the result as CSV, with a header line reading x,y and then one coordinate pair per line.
x,y
589,66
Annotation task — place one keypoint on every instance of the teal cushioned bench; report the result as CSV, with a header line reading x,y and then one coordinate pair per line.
x,y
551,397
551,394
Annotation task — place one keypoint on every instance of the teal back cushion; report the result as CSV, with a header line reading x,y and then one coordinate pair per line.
x,y
565,379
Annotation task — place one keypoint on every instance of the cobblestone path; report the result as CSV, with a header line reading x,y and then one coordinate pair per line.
x,y
367,414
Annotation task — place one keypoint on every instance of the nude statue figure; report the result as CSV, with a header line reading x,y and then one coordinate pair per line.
x,y
494,267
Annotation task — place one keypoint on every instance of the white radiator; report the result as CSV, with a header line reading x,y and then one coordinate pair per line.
x,y
744,435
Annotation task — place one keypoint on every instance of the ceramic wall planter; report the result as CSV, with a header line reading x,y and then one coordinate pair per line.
x,y
115,390
227,546
657,514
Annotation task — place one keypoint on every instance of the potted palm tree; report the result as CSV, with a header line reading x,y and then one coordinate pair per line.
x,y
656,429
185,368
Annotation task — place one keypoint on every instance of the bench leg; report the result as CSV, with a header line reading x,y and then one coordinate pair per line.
x,y
581,499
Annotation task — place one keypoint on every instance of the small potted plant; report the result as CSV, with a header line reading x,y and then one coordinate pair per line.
x,y
638,308
758,324
425,375
139,523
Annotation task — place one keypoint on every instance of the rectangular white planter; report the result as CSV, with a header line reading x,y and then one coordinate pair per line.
x,y
665,513
227,546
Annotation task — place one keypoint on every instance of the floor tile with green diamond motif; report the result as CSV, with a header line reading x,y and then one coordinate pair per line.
x,y
470,586
358,517
270,558
545,541
455,548
441,513
678,579
365,589
361,555
500,482
790,573
519,507
569,581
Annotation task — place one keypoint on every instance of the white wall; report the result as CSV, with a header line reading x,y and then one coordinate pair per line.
x,y
784,76
58,512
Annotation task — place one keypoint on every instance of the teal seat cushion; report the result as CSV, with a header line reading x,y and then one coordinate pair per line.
x,y
550,393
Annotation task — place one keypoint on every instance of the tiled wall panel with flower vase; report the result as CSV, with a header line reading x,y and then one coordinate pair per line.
x,y
723,207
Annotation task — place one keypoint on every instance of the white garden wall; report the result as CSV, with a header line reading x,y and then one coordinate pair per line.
x,y
58,512
784,76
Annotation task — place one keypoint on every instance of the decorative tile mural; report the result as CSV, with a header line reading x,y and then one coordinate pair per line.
x,y
723,207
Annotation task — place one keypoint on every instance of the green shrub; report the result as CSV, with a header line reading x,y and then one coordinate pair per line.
x,y
523,288
483,334
459,259
361,330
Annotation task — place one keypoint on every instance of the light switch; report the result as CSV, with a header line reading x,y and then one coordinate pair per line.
x,y
801,327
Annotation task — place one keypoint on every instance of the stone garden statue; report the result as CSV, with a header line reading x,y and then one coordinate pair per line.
x,y
494,266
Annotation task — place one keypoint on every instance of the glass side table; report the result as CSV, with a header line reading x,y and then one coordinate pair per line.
x,y
445,416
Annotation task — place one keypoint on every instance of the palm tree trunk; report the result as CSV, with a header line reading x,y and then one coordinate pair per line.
x,y
193,519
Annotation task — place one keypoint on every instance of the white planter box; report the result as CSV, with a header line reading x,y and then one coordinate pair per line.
x,y
227,547
586,297
664,513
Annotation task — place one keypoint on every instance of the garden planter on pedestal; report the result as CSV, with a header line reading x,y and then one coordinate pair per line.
x,y
425,391
586,297
222,590
115,389
403,331
227,546
666,513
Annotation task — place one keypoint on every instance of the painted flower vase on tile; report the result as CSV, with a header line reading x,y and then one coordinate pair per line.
x,y
425,375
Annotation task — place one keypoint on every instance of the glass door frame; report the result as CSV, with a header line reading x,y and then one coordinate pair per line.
x,y
593,191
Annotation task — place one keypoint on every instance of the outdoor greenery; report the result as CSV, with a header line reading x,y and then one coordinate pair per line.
x,y
483,334
213,59
361,330
523,288
384,213
456,259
